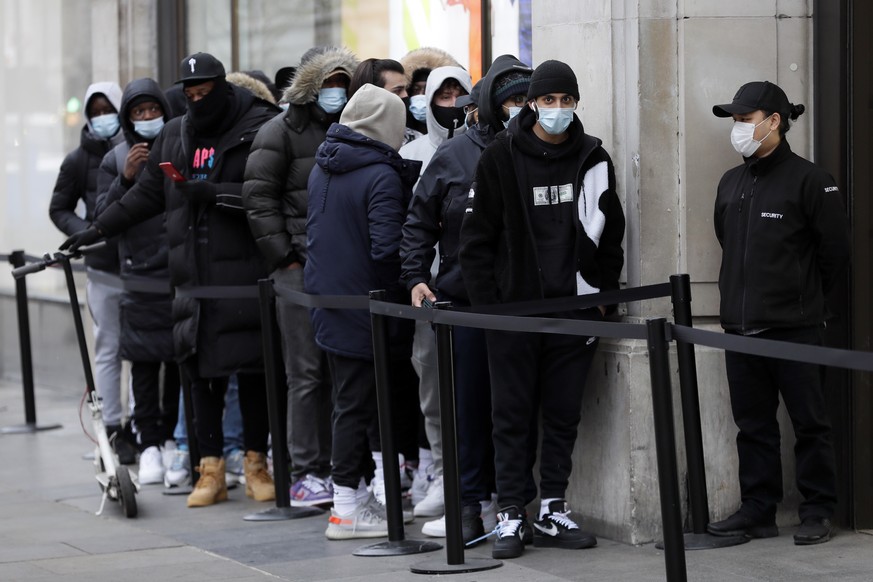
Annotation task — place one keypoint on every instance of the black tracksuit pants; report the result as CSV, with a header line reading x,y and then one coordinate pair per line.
x,y
533,374
155,411
755,385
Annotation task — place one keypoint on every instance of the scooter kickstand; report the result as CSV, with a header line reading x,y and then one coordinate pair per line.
x,y
103,502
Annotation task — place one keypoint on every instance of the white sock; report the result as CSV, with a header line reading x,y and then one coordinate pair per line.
x,y
377,458
425,460
362,494
344,500
544,505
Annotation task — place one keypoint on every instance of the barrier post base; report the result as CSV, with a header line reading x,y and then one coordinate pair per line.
x,y
397,548
283,513
27,428
705,541
437,567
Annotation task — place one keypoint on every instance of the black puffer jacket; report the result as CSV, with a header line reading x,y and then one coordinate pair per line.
x,y
210,244
440,200
77,180
282,157
785,241
143,249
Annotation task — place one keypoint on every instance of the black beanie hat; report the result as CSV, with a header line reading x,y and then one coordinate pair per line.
x,y
553,77
512,83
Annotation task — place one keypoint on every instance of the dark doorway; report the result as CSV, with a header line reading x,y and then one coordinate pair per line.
x,y
843,136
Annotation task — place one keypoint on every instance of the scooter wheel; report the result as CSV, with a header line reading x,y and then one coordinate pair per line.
x,y
126,491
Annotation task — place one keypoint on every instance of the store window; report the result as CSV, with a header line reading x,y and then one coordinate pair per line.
x,y
270,34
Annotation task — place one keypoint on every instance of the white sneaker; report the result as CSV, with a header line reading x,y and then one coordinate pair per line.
x,y
168,451
433,504
435,528
233,468
178,474
489,514
377,487
420,484
366,521
151,466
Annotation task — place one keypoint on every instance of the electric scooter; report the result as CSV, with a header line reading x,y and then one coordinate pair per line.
x,y
115,479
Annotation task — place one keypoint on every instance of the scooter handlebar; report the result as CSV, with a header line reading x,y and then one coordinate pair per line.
x,y
20,272
49,260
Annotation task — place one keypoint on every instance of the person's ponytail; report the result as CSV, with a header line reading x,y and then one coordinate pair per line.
x,y
796,111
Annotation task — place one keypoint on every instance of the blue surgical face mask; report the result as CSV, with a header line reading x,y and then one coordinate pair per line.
x,y
332,99
105,126
149,129
513,111
554,120
418,107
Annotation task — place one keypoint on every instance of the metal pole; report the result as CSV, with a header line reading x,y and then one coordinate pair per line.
x,y
274,375
451,476
665,443
77,321
17,260
681,296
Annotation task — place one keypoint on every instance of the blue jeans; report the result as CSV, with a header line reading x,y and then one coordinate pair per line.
x,y
232,425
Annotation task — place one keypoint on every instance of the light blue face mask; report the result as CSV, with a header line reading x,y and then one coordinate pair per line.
x,y
332,99
149,129
105,126
513,111
418,107
554,120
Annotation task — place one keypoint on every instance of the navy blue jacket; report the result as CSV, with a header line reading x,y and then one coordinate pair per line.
x,y
358,194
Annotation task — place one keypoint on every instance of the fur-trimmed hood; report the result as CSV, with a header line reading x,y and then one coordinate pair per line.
x,y
426,58
314,70
246,81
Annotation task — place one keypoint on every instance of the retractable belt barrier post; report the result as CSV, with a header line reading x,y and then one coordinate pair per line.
x,y
455,562
274,376
396,544
17,260
698,538
665,444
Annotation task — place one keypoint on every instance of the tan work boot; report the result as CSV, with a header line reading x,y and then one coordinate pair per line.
x,y
211,486
259,483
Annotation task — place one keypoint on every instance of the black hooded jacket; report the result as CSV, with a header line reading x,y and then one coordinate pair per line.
x,y
785,241
499,253
440,200
143,249
210,243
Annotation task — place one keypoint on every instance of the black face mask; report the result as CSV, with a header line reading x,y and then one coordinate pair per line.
x,y
207,114
452,118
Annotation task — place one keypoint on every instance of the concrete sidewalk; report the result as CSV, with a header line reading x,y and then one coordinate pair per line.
x,y
48,531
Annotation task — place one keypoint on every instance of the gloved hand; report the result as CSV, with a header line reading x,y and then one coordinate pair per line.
x,y
82,238
198,191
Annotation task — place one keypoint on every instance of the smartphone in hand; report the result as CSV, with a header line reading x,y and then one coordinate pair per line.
x,y
425,302
171,172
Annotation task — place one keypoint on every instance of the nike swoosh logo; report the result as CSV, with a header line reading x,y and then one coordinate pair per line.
x,y
552,530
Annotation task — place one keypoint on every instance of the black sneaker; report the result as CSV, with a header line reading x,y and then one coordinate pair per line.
x,y
511,526
743,525
471,523
557,530
125,450
813,530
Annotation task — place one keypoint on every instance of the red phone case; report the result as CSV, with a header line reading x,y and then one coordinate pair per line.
x,y
171,172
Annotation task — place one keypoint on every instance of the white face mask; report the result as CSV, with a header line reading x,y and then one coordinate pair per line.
x,y
743,137
513,111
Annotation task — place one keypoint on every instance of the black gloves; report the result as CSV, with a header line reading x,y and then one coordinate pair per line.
x,y
82,238
197,191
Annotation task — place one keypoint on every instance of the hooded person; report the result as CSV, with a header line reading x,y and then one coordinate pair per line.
x,y
544,221
146,322
275,198
256,85
434,221
444,120
358,195
77,181
418,64
210,246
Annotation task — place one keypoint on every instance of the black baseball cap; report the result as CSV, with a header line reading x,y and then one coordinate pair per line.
x,y
200,67
753,96
472,98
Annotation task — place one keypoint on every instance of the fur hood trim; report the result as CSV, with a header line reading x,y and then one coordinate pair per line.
x,y
311,73
426,58
258,88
